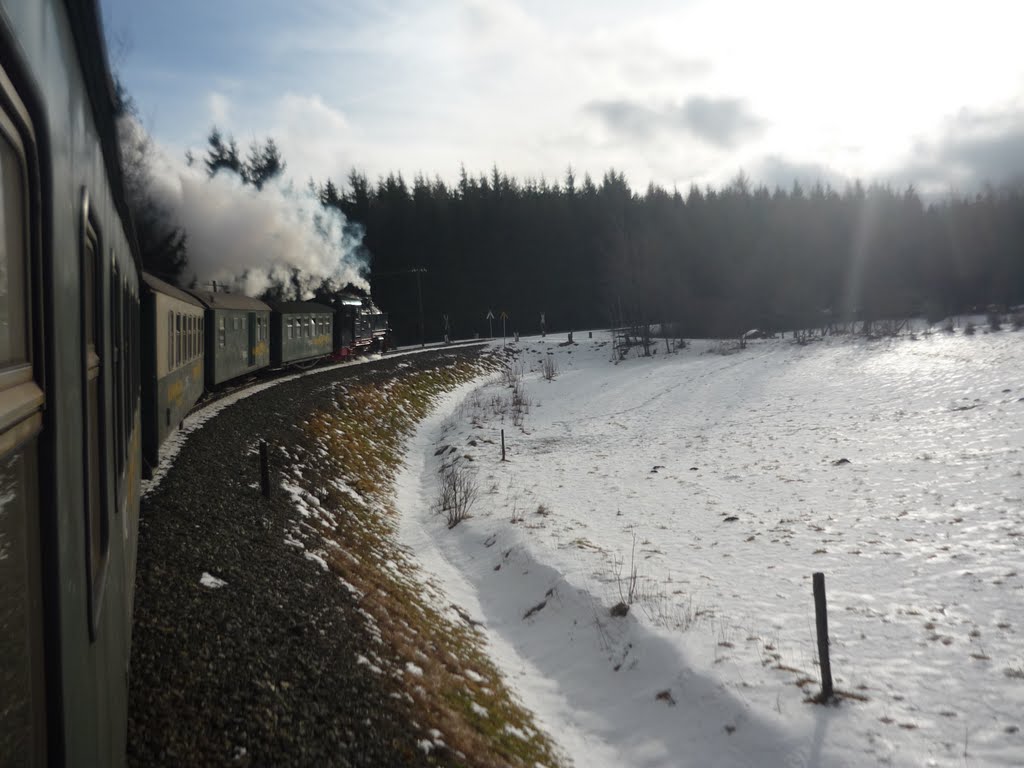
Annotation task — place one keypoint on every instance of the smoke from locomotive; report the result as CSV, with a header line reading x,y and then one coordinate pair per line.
x,y
253,240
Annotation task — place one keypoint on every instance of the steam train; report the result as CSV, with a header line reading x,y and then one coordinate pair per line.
x,y
87,381
199,340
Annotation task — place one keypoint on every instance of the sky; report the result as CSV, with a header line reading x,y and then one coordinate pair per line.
x,y
674,93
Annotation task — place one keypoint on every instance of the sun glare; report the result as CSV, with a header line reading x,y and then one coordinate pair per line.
x,y
856,84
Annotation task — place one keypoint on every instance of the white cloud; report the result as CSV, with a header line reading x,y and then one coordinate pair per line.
x,y
316,139
219,107
427,86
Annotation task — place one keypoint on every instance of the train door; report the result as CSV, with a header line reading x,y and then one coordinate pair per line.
x,y
252,339
22,665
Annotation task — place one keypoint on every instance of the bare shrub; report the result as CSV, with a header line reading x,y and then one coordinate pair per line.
x,y
995,321
1018,321
517,515
969,329
512,373
627,585
886,327
520,404
550,367
457,494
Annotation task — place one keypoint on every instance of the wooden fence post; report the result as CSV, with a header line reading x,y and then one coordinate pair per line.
x,y
503,445
821,615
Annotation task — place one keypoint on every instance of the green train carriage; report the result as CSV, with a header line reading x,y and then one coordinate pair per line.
x,y
70,428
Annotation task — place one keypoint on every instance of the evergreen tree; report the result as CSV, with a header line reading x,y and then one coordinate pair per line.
x,y
263,163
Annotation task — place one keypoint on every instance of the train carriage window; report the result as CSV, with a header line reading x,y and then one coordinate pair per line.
x,y
222,334
13,337
22,703
124,302
115,363
95,438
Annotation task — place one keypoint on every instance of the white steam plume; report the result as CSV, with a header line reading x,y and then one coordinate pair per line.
x,y
253,239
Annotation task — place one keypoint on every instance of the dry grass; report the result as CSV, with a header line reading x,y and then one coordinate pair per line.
x,y
435,658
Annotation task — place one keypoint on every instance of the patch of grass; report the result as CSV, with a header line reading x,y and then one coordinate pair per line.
x,y
433,655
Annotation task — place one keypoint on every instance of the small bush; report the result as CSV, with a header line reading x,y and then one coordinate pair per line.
x,y
969,329
550,368
627,584
520,404
457,494
512,373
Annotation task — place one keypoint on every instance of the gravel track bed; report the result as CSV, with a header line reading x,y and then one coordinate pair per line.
x,y
260,671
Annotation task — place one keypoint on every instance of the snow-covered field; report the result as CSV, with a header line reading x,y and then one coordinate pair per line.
x,y
718,480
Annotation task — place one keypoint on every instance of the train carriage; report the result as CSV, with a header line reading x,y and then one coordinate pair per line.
x,y
300,331
69,394
172,358
237,335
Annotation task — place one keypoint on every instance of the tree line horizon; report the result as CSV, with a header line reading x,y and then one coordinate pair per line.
x,y
713,261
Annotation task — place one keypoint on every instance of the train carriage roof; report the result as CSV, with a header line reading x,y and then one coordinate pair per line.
x,y
157,285
223,300
301,308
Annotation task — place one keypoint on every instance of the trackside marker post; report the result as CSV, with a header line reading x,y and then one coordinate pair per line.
x,y
821,616
503,445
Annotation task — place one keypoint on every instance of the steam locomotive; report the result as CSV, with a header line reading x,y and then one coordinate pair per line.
x,y
98,362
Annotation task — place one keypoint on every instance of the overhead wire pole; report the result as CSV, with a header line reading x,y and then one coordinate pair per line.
x,y
419,292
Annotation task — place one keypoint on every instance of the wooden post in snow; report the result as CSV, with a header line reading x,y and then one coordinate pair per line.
x,y
821,616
